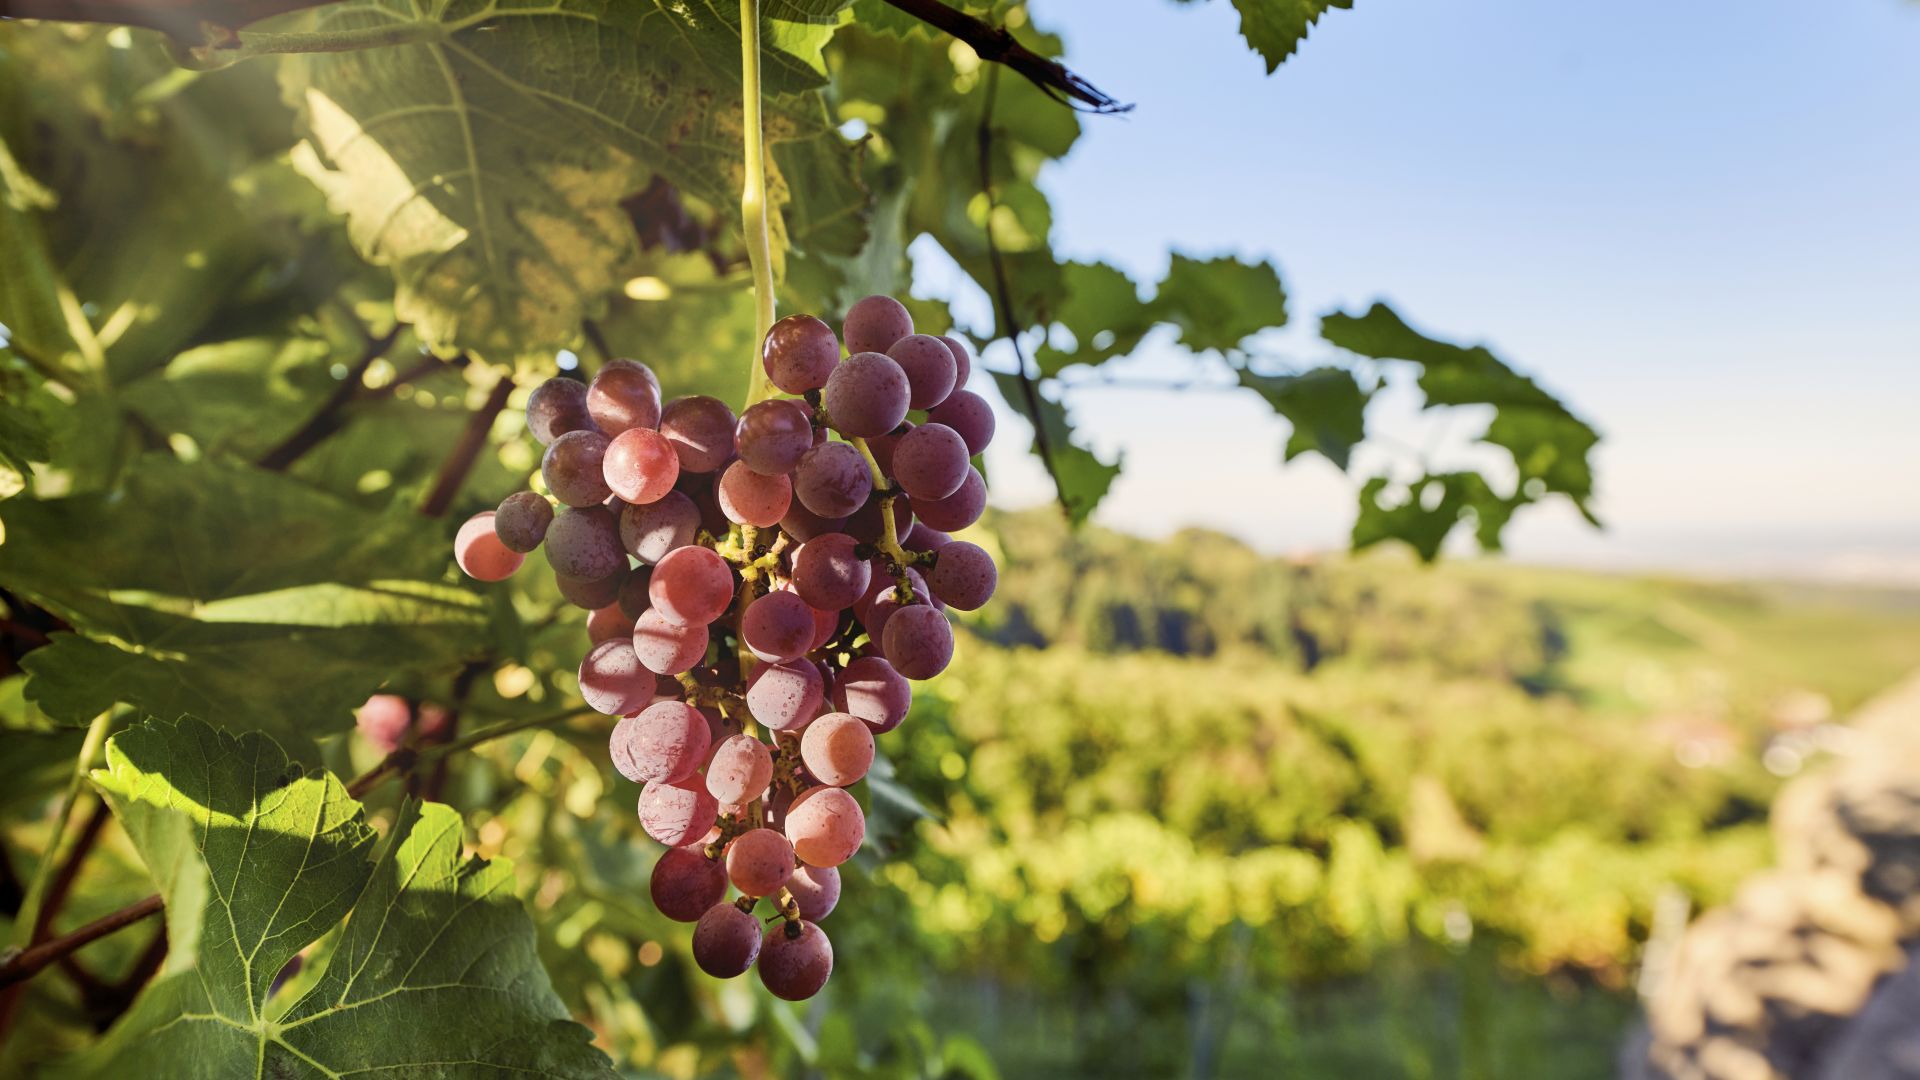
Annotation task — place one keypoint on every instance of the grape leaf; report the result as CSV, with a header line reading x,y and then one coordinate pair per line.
x,y
1275,28
1422,514
233,593
484,161
1326,406
436,971
1103,312
1219,303
1081,478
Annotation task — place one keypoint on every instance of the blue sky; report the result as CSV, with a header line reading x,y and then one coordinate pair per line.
x,y
1697,222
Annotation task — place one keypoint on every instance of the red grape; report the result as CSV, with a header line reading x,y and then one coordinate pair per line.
x,y
726,941
918,641
930,369
828,572
740,770
383,721
796,960
958,510
759,861
962,360
785,696
641,465
872,690
574,468
612,680
803,524
666,741
584,542
874,323
685,883
521,520
816,890
799,353
749,498
607,623
963,575
556,407
666,647
692,585
778,626
867,395
772,435
930,461
833,480
480,553
701,431
650,531
625,394
969,414
837,749
591,593
825,826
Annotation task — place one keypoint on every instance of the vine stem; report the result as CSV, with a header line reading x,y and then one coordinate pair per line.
x,y
29,917
453,472
753,198
889,544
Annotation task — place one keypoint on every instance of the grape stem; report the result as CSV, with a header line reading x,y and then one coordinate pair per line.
x,y
753,198
898,558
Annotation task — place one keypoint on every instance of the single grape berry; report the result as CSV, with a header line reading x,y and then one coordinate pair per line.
x,y
692,585
825,826
867,395
666,647
726,941
958,510
785,697
772,435
923,537
677,813
799,353
874,323
829,573
607,623
918,641
584,542
778,626
591,594
930,461
815,890
479,552
969,414
612,681
633,592
803,524
556,407
929,366
685,883
383,721
666,741
640,466
872,690
759,861
962,360
624,394
833,480
521,520
739,770
701,431
881,446
649,531
837,749
796,960
574,468
750,498
963,575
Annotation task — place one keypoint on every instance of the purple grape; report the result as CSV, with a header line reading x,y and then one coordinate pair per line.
x,y
930,462
666,647
867,395
591,594
679,813
881,446
613,682
864,524
649,532
803,524
969,414
963,575
930,369
772,435
958,510
726,941
749,498
641,466
701,431
665,742
685,883
833,480
816,890
692,585
556,407
480,554
574,468
829,574
624,394
521,520
962,360
918,641
924,537
870,689
777,626
874,323
584,542
796,960
633,592
799,353
784,696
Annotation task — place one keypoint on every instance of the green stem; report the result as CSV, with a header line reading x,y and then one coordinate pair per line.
x,y
889,545
29,914
753,198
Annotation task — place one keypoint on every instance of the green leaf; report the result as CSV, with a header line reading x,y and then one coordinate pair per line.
x,y
1326,406
1080,477
256,859
231,593
1103,312
485,159
1425,512
1219,303
1275,28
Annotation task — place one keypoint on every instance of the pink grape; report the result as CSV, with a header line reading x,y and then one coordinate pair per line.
x,y
785,696
882,446
829,573
777,626
918,641
584,542
701,431
612,680
574,468
740,769
874,323
930,369
796,960
591,593
641,465
837,749
816,890
677,813
872,690
556,407
692,585
665,742
825,826
864,524
623,395
969,414
923,537
650,531
383,721
685,883
833,480
799,353
930,461
958,510
666,647
749,498
759,861
962,360
480,553
803,524
607,623
867,395
772,435
726,941
963,575
521,520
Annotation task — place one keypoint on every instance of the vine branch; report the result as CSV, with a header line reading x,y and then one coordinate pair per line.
x,y
331,416
29,962
453,472
997,45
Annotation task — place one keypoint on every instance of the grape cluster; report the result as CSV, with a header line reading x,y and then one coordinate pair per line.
x,y
761,588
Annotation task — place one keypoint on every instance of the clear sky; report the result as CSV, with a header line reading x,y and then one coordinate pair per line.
x,y
1698,222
